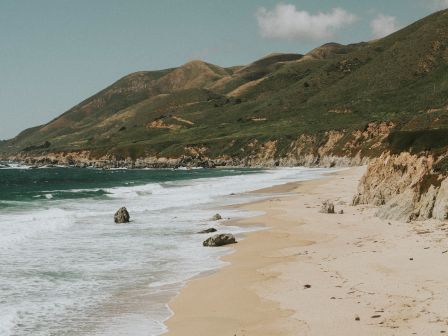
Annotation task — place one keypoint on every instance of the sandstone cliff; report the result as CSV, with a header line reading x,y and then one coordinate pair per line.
x,y
405,187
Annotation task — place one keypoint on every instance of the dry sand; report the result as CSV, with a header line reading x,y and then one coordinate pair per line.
x,y
367,276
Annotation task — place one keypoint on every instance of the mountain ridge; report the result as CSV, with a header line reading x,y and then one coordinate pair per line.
x,y
337,101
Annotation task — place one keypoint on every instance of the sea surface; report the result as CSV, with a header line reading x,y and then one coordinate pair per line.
x,y
67,269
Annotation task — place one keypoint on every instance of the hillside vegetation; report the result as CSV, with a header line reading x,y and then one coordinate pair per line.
x,y
341,100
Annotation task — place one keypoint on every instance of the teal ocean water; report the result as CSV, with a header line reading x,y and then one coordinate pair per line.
x,y
28,185
67,269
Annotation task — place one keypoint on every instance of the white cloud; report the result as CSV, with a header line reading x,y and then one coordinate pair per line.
x,y
383,25
286,22
440,4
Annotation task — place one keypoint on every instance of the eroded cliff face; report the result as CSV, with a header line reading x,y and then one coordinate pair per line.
x,y
333,148
405,187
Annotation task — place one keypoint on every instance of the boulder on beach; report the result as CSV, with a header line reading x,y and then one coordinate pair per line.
x,y
220,240
327,207
122,216
211,230
216,217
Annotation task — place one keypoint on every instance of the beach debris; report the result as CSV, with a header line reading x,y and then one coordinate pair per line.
x,y
122,216
210,230
375,316
216,217
307,286
357,318
327,207
220,240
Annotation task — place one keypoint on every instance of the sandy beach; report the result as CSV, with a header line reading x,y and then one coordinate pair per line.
x,y
312,273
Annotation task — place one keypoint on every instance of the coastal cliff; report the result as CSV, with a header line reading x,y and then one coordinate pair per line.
x,y
406,187
332,149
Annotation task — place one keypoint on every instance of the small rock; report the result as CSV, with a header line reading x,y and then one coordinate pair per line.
x,y
327,207
411,259
211,230
307,286
341,212
216,217
376,316
356,199
220,240
357,318
122,216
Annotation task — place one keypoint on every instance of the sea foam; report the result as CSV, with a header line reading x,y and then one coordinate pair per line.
x,y
68,269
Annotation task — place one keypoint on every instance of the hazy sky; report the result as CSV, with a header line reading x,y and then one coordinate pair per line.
x,y
55,53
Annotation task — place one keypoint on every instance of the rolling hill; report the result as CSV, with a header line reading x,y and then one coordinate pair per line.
x,y
336,104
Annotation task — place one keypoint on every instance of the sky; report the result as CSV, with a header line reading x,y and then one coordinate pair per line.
x,y
56,53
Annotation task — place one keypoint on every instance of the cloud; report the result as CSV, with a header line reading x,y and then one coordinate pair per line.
x,y
286,22
440,4
383,25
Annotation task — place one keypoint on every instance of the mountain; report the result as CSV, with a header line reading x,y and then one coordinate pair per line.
x,y
338,104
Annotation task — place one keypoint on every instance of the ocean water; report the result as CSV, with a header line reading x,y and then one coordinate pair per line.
x,y
67,269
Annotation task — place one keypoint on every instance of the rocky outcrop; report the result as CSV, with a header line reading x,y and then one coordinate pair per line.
x,y
122,216
327,207
85,159
405,187
210,230
216,217
440,209
220,240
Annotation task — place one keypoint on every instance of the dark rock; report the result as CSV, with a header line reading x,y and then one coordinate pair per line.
x,y
327,207
341,212
220,240
216,217
307,286
211,230
122,216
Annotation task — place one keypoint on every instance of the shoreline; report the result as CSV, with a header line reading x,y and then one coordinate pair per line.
x,y
310,273
284,190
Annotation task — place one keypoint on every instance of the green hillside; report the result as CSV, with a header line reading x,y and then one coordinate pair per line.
x,y
401,79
